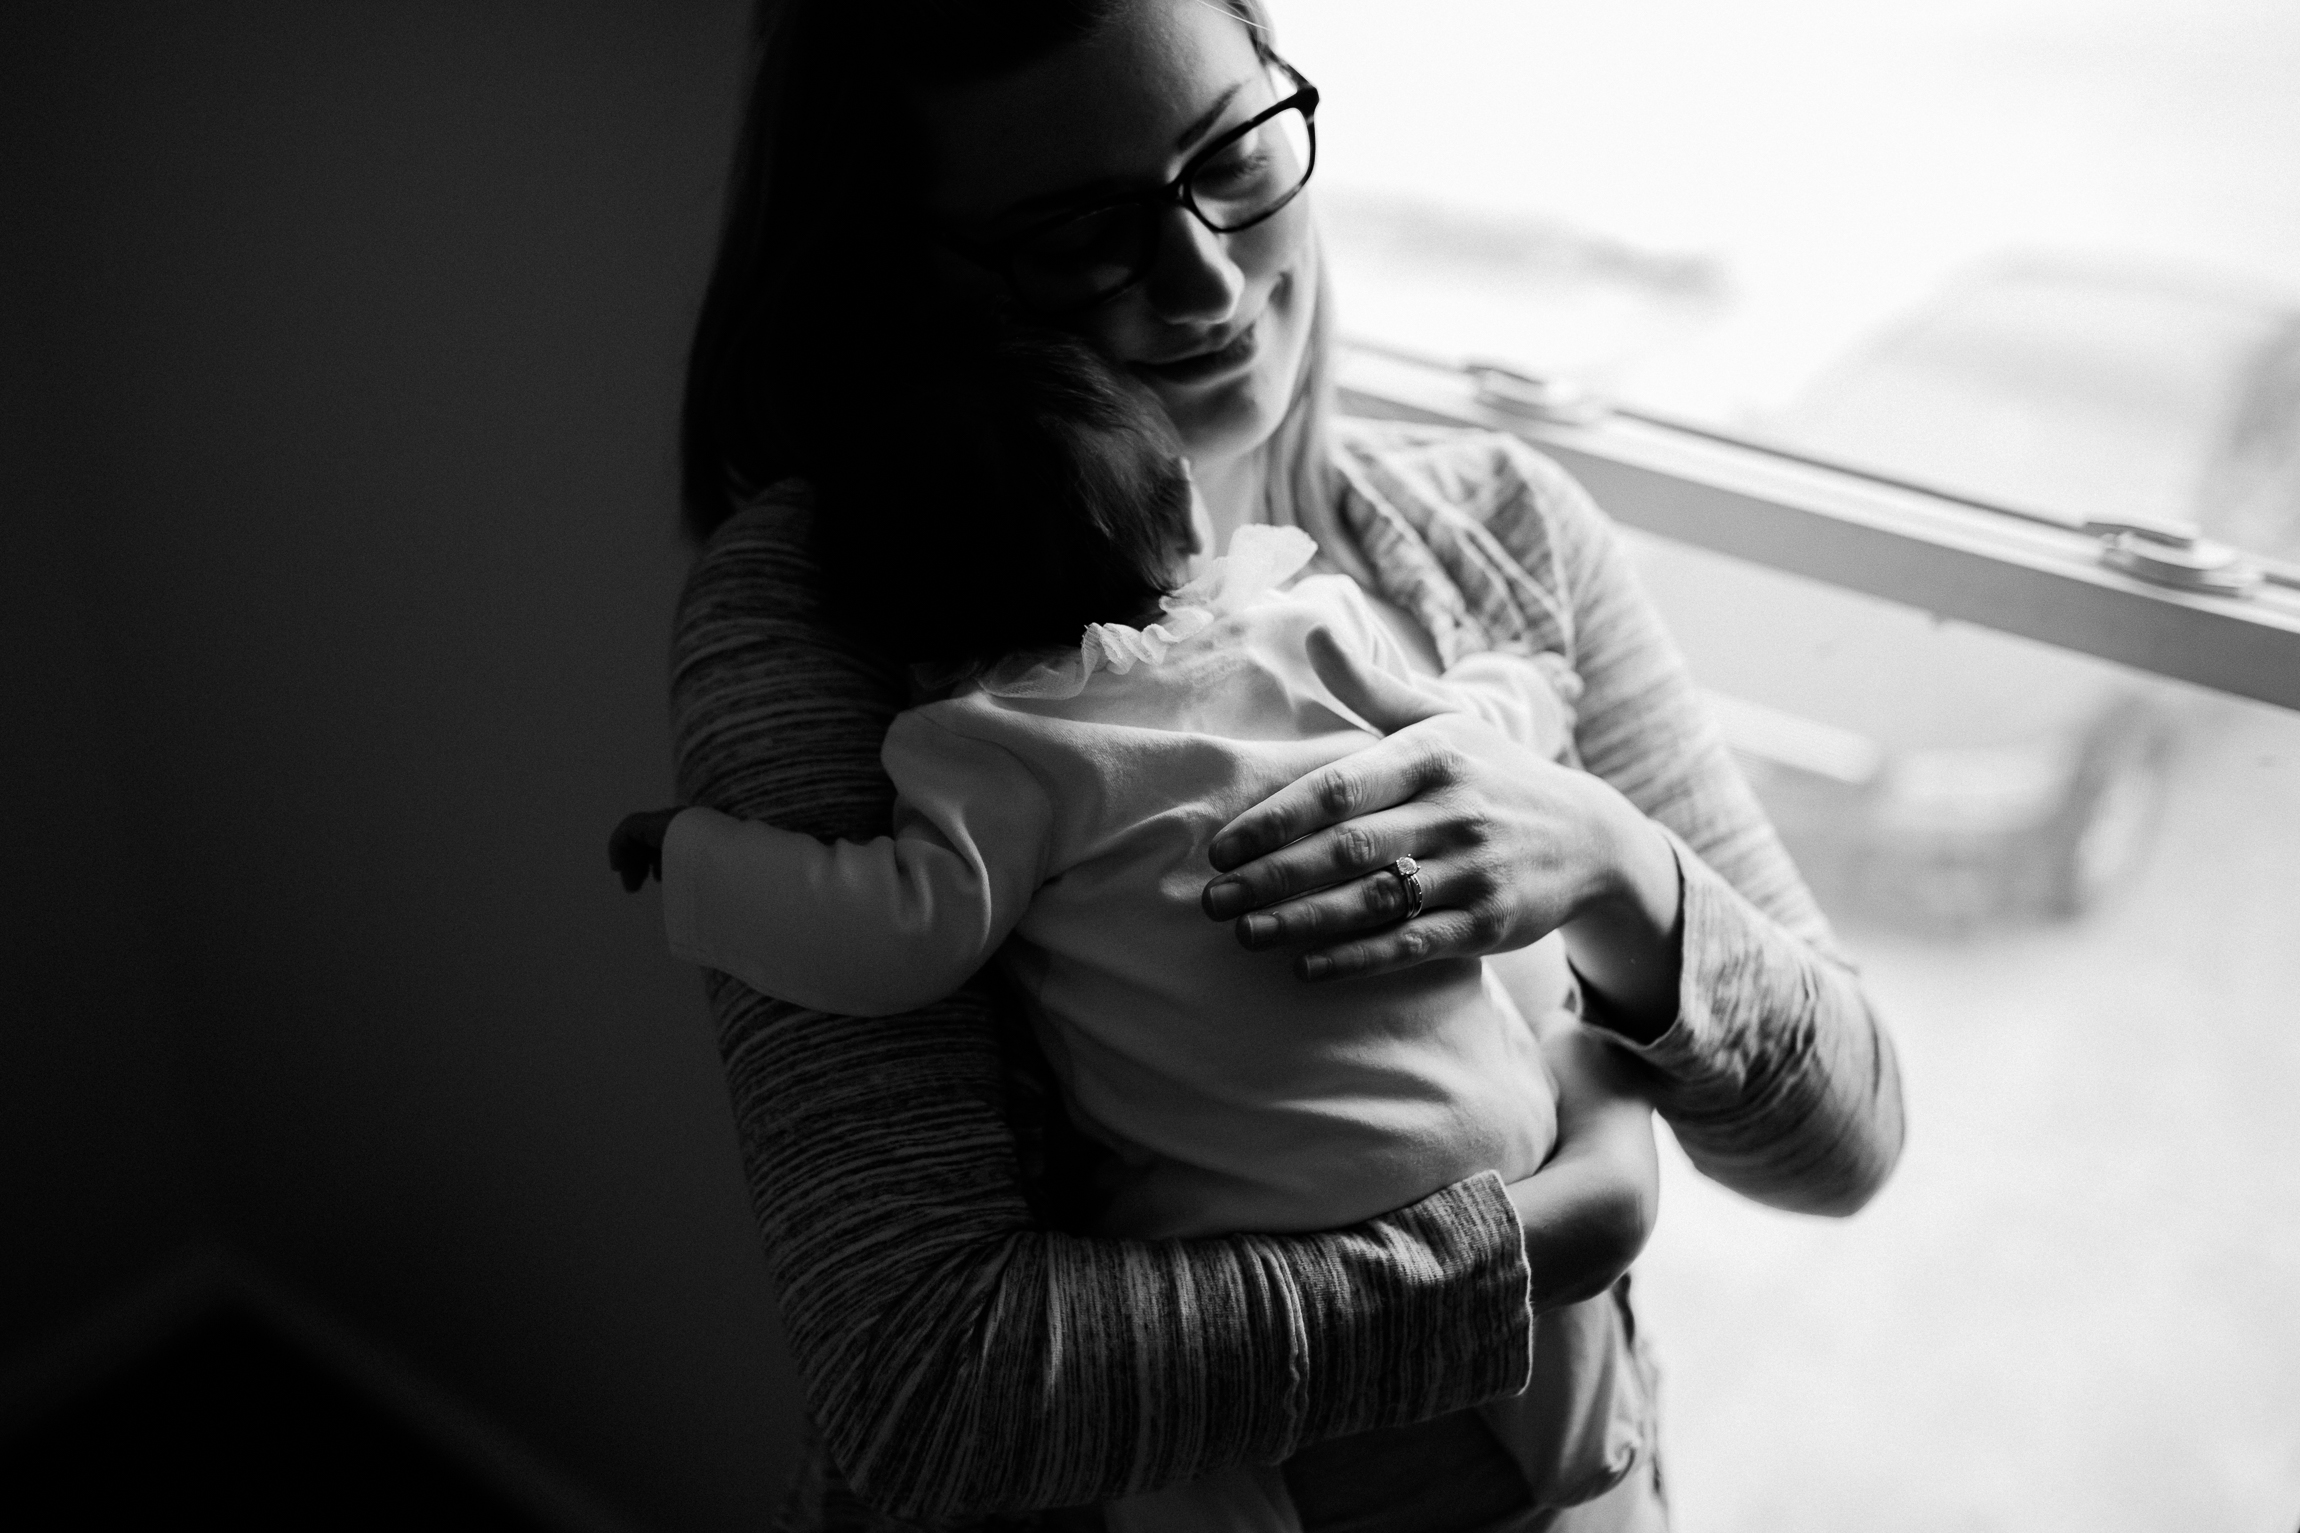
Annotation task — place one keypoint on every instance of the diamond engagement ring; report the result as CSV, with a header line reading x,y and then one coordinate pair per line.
x,y
1409,874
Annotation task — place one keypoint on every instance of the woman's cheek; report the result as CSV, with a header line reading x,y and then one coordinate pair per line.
x,y
1242,416
1280,263
1288,262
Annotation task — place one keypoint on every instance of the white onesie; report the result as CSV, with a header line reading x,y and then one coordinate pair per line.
x,y
1057,813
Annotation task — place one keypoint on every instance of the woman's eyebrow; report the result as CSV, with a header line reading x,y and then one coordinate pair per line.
x,y
1069,196
1204,123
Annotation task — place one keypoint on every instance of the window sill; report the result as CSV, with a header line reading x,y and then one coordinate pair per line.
x,y
1942,555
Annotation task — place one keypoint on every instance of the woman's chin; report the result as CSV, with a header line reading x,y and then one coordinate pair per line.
x,y
1234,417
1230,416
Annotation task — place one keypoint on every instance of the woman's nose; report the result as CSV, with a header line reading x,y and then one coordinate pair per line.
x,y
1194,281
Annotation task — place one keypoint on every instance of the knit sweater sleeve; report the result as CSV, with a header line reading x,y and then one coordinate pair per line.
x,y
959,1357
1779,1080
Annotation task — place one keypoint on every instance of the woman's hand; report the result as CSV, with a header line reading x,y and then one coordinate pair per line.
x,y
1511,848
635,850
1589,1210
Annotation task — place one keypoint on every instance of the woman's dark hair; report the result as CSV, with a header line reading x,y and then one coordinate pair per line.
x,y
981,485
822,291
821,294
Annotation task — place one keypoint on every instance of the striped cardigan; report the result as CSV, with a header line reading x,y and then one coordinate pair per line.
x,y
966,1359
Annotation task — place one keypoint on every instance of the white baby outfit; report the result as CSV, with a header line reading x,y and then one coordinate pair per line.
x,y
1068,803
1056,811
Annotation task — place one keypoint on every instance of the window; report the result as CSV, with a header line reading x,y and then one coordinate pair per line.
x,y
1910,340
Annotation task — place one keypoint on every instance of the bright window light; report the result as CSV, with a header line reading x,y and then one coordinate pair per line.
x,y
2041,250
2042,253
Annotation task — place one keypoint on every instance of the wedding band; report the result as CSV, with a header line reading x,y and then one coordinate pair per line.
x,y
1409,874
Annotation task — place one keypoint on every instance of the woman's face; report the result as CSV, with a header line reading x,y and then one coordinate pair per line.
x,y
1219,325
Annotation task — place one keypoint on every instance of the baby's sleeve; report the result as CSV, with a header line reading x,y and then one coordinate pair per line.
x,y
1529,698
868,928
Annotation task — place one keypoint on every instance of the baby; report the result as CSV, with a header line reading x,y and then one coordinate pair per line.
x,y
1054,807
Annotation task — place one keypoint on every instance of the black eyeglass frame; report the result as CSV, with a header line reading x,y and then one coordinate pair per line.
x,y
999,256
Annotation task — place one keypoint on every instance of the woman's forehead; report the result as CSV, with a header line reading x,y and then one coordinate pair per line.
x,y
1122,107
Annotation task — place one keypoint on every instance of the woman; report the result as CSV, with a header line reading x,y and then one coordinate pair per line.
x,y
966,1359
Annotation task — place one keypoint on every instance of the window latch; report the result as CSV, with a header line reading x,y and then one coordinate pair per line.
x,y
1536,396
2168,554
2163,553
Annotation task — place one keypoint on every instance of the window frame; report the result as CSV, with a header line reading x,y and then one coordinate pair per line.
x,y
1958,559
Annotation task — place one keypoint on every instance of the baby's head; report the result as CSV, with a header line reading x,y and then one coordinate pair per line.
x,y
1059,498
1094,479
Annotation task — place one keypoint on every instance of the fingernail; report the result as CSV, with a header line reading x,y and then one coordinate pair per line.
x,y
1223,853
1314,967
1257,930
1224,898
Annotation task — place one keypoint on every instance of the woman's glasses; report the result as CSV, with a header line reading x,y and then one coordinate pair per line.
x,y
1083,256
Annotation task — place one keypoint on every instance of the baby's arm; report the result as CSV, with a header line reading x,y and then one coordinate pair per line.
x,y
865,928
1525,697
1590,1208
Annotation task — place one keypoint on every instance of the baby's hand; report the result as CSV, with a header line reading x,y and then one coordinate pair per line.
x,y
635,851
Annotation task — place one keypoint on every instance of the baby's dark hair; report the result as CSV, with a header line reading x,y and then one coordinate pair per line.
x,y
1058,498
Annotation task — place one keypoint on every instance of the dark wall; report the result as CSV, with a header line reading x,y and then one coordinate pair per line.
x,y
98,1177
354,338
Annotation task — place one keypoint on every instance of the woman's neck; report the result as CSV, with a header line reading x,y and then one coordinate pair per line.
x,y
1231,491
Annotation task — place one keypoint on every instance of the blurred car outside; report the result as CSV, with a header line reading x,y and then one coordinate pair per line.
x,y
1946,776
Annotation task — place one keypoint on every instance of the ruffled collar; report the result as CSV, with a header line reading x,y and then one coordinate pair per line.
x,y
1260,560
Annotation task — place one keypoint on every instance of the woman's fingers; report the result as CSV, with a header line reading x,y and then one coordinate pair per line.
x,y
1346,851
1377,899
1383,775
1433,934
1360,927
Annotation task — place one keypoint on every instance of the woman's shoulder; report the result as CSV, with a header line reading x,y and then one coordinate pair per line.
x,y
753,578
776,712
762,542
1484,540
1491,476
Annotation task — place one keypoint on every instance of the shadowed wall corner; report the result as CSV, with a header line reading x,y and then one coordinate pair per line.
x,y
342,378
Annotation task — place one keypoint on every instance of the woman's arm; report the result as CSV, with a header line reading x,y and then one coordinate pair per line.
x,y
958,1356
1775,1073
1695,938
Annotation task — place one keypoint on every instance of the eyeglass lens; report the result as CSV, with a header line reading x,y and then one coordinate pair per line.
x,y
1100,252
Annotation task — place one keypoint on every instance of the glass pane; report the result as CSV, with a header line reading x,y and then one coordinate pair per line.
x,y
2072,890
2041,251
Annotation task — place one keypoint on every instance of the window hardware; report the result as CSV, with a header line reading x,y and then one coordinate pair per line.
x,y
2153,595
2184,562
2164,553
1536,396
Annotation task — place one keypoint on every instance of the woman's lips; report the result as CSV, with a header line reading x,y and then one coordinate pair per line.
x,y
1205,366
